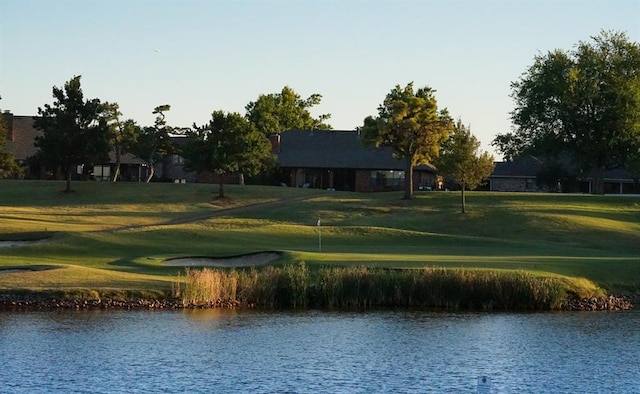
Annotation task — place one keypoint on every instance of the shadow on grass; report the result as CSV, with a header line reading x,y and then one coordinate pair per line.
x,y
9,269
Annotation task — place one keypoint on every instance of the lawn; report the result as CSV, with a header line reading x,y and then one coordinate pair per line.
x,y
115,236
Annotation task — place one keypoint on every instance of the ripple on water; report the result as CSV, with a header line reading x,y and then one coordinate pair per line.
x,y
316,351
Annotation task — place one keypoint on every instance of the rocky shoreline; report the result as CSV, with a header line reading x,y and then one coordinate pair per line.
x,y
34,303
608,303
11,302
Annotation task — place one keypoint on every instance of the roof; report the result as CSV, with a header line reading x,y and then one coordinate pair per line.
x,y
526,166
125,158
21,135
335,149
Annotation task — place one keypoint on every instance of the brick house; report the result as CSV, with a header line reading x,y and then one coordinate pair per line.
x,y
520,175
332,159
21,137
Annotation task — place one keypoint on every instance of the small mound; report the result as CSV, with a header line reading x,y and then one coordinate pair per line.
x,y
248,260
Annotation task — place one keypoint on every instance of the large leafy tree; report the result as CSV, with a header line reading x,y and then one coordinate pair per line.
x,y
461,160
583,103
152,143
227,144
409,122
74,130
278,112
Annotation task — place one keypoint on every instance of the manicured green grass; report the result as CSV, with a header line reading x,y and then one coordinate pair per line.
x,y
115,236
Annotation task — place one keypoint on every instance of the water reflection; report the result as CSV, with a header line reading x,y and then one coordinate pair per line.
x,y
223,350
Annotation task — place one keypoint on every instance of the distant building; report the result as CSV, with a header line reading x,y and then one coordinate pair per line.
x,y
333,159
521,175
21,136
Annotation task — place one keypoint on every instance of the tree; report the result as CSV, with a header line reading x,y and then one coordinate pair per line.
x,y
409,122
278,112
8,165
74,130
227,144
121,134
153,142
584,103
461,161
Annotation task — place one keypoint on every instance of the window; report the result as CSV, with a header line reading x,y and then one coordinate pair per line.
x,y
177,159
387,178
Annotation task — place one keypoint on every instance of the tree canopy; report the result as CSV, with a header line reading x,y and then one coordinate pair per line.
x,y
227,144
74,131
278,112
409,122
583,103
8,165
153,142
122,134
461,161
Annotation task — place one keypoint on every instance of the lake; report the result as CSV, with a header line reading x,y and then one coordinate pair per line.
x,y
311,351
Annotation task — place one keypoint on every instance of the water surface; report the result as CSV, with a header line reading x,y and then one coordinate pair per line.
x,y
222,351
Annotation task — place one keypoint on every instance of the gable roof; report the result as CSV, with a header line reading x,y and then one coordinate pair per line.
x,y
526,166
335,149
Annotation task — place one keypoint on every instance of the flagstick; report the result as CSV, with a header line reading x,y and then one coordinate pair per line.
x,y
319,236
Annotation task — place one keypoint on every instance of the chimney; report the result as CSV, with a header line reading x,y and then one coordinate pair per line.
x,y
275,143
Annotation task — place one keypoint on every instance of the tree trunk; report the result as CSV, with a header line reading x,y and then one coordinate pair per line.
x,y
152,172
69,175
116,173
464,202
408,181
598,181
241,179
221,188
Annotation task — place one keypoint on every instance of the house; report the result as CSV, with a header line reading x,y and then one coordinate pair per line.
x,y
333,159
521,175
171,167
518,175
21,136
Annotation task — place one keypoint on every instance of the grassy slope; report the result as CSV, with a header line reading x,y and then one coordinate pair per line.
x,y
114,236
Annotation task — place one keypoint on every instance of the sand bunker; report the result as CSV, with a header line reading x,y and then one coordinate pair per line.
x,y
238,261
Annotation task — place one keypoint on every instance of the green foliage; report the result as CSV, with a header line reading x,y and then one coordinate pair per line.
x,y
74,130
8,166
227,144
460,160
551,175
121,134
278,112
153,142
585,103
409,122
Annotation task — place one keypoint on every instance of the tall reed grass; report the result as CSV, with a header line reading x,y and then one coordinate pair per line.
x,y
294,285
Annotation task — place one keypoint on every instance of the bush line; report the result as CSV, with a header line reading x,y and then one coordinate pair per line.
x,y
294,285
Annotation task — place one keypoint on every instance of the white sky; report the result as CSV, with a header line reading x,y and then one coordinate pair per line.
x,y
223,54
